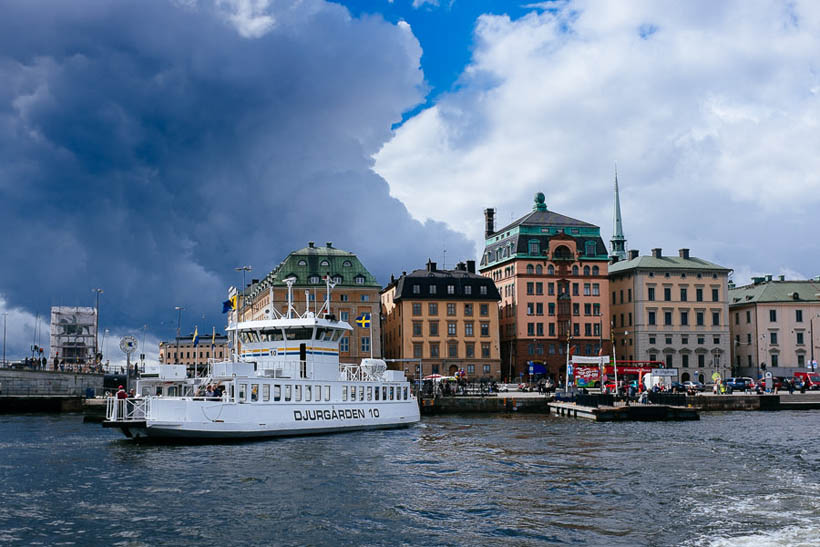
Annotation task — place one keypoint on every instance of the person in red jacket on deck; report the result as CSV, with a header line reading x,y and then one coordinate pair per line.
x,y
121,394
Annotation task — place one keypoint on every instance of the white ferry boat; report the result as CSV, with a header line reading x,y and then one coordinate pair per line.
x,y
287,380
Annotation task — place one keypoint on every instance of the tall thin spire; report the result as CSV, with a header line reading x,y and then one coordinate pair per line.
x,y
618,241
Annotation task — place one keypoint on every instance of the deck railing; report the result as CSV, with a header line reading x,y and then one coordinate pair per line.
x,y
127,410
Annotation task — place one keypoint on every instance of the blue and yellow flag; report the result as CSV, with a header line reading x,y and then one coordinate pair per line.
x,y
196,336
229,304
363,320
213,337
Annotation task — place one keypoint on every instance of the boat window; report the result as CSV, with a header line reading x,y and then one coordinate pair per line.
x,y
324,334
266,392
172,391
327,393
391,393
231,391
243,388
369,393
159,390
299,333
405,393
384,393
146,391
318,393
272,335
287,392
344,393
254,392
298,392
307,393
377,390
361,393
337,334
253,336
277,392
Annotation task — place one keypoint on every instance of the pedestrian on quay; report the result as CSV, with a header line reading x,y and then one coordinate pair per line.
x,y
790,386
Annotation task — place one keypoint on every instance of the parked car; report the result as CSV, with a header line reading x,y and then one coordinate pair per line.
x,y
739,383
694,385
677,387
810,379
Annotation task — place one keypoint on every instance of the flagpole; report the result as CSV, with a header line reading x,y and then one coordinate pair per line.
x,y
370,326
566,377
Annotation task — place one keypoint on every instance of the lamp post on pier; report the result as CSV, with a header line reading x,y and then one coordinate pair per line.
x,y
97,322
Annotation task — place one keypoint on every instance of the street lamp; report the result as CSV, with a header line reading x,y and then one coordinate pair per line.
x,y
106,331
97,322
5,318
179,319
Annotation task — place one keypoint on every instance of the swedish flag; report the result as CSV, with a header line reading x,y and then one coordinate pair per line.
x,y
363,320
196,336
229,304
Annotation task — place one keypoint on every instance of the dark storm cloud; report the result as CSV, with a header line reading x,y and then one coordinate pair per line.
x,y
148,147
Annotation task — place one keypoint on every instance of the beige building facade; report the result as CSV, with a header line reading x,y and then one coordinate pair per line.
x,y
774,326
672,310
183,351
446,321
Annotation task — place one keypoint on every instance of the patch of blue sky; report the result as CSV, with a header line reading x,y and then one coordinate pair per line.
x,y
445,30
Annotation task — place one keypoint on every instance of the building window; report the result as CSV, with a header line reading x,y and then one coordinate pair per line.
x,y
359,279
534,248
344,344
775,360
667,294
586,271
596,289
575,289
701,360
651,294
483,290
699,293
485,350
432,308
683,294
701,340
486,369
539,308
451,289
576,329
432,289
539,288
715,295
551,289
668,360
468,328
552,329
684,317
684,363
587,330
470,349
699,318
416,308
484,310
468,289
468,310
452,350
434,368
451,309
416,289
667,318
433,328
539,329
587,289
737,318
651,317
801,360
551,308
684,340
451,328
799,338
550,270
365,344
530,287
748,317
365,298
434,349
530,329
418,351
773,316
715,318
773,338
576,308
798,316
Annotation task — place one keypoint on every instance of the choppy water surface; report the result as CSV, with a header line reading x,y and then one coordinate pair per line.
x,y
732,478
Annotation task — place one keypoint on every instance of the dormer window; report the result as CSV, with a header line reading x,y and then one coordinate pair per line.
x,y
302,262
432,289
589,248
451,289
416,289
313,279
324,263
347,264
359,279
534,247
337,279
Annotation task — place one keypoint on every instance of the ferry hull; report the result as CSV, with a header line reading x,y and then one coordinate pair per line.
x,y
238,421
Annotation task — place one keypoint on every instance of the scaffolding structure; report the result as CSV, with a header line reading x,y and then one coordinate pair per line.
x,y
73,334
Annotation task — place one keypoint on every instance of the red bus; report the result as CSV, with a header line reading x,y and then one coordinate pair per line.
x,y
628,372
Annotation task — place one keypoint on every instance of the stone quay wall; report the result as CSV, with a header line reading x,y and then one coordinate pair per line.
x,y
42,383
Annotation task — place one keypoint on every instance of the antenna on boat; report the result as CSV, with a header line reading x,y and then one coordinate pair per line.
x,y
307,302
289,282
326,306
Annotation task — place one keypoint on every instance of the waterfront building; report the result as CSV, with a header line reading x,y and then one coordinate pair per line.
x,y
672,309
444,320
182,350
551,273
774,325
73,335
356,293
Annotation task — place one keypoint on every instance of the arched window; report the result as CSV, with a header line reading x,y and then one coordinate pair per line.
x,y
562,252
575,269
586,270
324,263
529,268
595,270
551,269
303,262
539,270
347,263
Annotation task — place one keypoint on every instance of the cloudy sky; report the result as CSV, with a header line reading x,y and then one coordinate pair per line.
x,y
147,147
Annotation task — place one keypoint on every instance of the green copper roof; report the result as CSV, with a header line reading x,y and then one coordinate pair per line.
x,y
775,291
665,263
310,264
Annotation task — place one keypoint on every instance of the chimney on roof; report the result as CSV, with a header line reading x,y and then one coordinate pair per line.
x,y
311,243
471,266
489,222
656,252
392,278
329,244
758,280
633,254
431,266
683,253
254,281
403,273
613,259
781,278
461,267
731,284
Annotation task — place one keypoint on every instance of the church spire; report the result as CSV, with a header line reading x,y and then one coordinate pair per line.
x,y
618,241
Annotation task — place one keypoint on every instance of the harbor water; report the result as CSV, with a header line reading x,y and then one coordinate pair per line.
x,y
744,478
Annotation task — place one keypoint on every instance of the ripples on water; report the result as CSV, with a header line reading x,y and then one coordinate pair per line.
x,y
730,479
